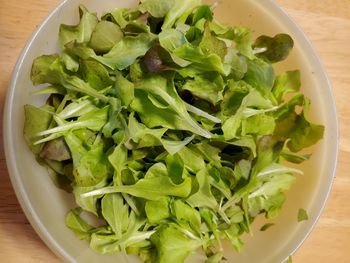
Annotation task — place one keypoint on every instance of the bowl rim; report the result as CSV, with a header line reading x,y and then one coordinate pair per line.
x,y
10,155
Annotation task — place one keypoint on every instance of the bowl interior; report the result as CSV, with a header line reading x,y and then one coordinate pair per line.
x,y
46,206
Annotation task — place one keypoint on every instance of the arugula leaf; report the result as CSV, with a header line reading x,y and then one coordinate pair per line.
x,y
151,188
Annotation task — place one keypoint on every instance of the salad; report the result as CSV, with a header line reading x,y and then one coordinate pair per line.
x,y
170,128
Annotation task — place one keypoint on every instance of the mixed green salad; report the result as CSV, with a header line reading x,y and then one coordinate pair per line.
x,y
170,128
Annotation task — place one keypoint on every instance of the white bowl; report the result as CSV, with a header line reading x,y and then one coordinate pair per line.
x,y
46,206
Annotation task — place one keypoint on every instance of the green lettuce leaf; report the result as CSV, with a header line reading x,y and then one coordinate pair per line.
x,y
125,52
179,11
203,197
173,246
122,55
158,104
36,120
202,12
185,213
209,89
285,83
95,74
81,228
210,44
200,62
157,211
116,213
105,36
299,130
302,215
253,99
260,74
81,32
156,8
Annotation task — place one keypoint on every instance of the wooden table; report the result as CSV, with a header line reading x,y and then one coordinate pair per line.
x,y
326,22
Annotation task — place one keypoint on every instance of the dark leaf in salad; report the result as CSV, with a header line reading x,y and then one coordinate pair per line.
x,y
274,49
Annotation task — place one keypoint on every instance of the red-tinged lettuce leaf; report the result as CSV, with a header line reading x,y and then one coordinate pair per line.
x,y
277,47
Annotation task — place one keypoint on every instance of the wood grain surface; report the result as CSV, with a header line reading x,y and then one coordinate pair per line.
x,y
327,24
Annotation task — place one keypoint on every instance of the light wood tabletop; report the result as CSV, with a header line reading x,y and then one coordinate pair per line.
x,y
326,23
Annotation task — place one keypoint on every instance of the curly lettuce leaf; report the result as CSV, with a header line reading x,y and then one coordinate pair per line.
x,y
81,32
